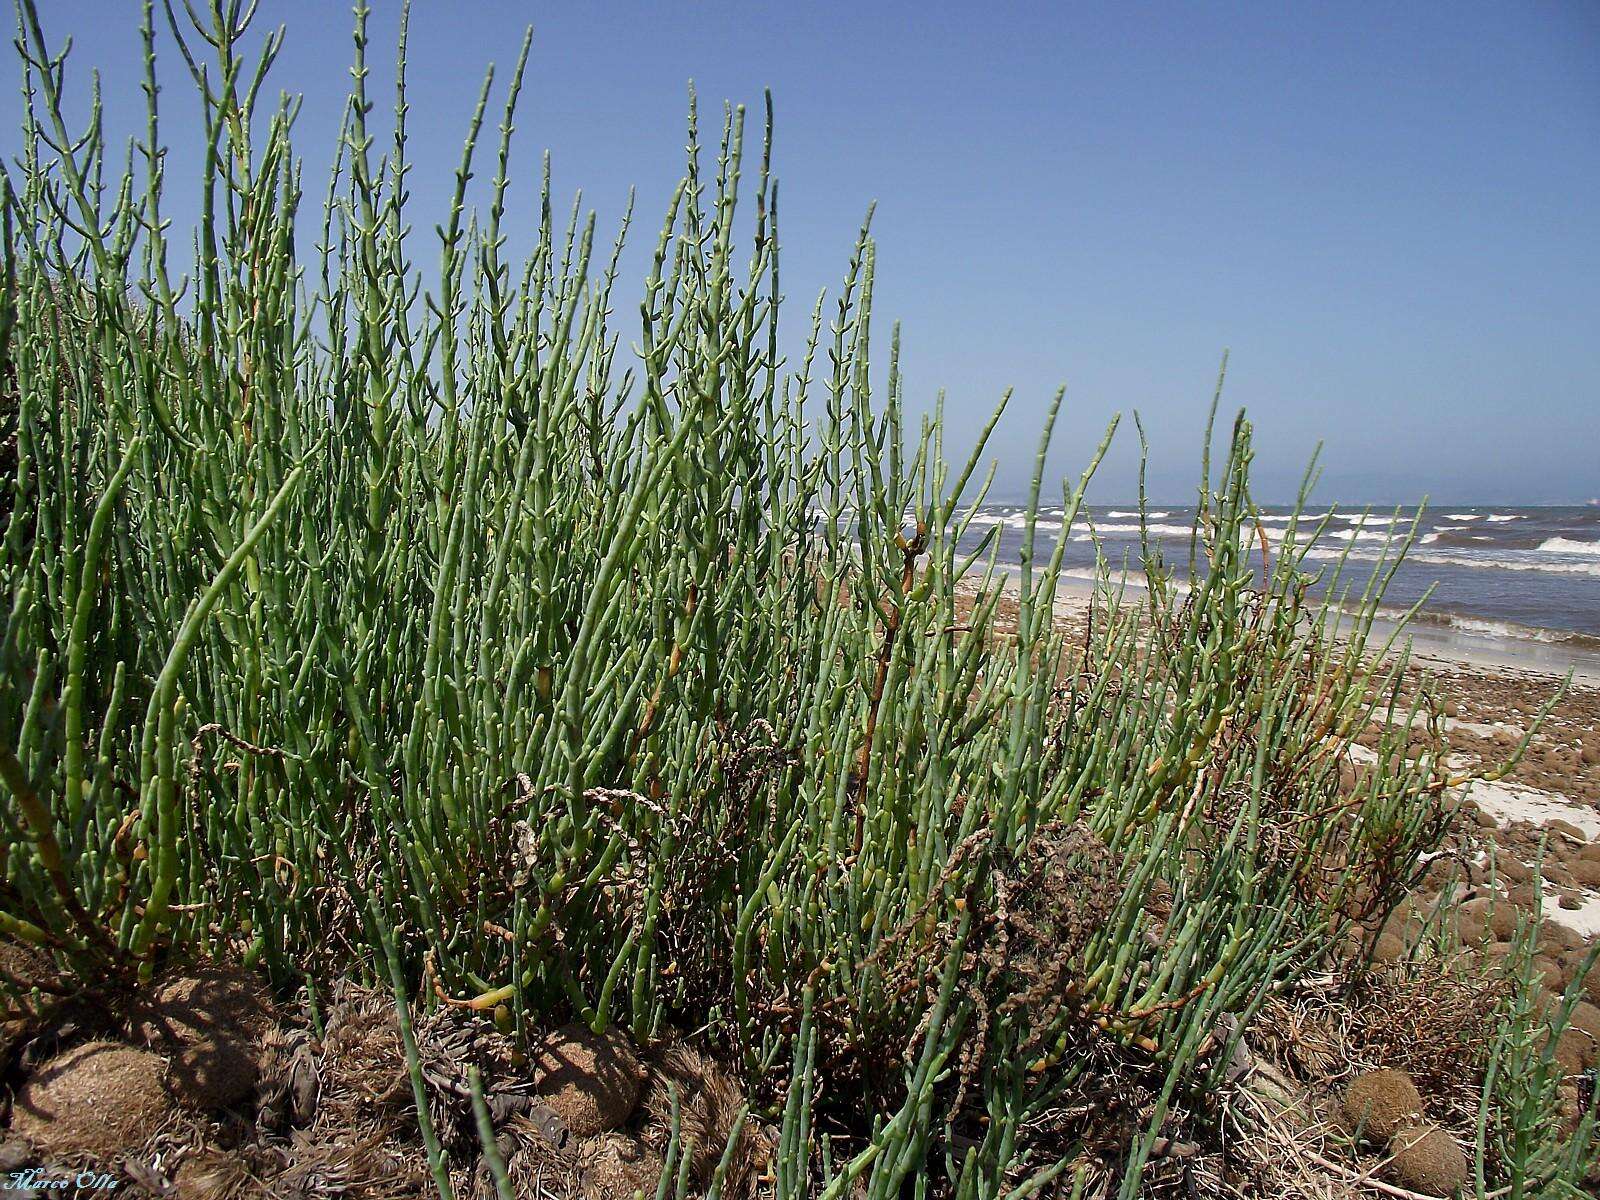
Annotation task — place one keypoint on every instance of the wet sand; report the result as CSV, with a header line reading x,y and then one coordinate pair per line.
x,y
1456,648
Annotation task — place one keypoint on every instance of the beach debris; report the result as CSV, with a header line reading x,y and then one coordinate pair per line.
x,y
1378,1104
591,1081
289,1080
22,966
352,1167
356,1076
1427,1159
615,1166
98,1100
207,1173
450,1044
361,1070
1284,1101
539,1153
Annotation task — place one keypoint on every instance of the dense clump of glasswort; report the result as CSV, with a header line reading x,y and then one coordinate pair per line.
x,y
347,614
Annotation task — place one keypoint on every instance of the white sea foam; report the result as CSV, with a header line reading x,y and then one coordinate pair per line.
x,y
1086,574
1016,521
1561,545
1464,516
1305,518
1158,530
1497,518
1504,629
1482,563
1362,535
1117,512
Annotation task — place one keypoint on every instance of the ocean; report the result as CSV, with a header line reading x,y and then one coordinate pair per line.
x,y
1522,576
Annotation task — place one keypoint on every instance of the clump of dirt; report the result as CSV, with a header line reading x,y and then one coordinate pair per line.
x,y
99,1099
1575,1051
615,1166
1426,1159
209,1020
1378,1104
591,1081
709,1106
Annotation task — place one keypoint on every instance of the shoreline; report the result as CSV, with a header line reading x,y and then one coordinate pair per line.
x,y
1435,641
1451,646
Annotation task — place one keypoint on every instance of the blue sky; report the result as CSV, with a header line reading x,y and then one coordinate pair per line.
x,y
1390,214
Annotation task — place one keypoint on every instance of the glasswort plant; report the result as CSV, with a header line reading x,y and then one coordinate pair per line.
x,y
353,625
